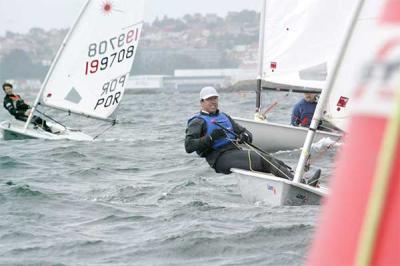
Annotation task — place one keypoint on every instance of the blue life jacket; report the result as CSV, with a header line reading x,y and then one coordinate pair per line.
x,y
224,121
302,113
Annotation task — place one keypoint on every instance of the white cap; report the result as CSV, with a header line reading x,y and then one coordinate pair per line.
x,y
208,92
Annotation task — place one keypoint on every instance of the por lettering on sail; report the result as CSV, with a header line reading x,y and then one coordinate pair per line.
x,y
111,92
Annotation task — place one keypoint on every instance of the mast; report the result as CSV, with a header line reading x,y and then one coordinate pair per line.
x,y
58,55
325,94
261,56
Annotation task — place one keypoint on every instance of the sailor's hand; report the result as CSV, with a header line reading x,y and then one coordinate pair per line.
x,y
244,137
217,134
28,112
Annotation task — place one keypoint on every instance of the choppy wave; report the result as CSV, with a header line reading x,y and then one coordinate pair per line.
x,y
69,155
135,197
8,162
12,190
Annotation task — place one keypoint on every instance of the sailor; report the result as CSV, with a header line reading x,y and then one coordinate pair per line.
x,y
18,108
303,110
212,135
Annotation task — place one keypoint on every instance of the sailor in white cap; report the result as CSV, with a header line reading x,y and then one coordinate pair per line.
x,y
215,136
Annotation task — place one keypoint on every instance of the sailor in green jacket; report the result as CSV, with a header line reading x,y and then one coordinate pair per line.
x,y
18,108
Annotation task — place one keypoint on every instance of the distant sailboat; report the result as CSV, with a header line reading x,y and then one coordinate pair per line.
x,y
298,40
360,221
91,68
277,191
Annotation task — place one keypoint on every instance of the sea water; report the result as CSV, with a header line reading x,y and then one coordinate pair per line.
x,y
135,197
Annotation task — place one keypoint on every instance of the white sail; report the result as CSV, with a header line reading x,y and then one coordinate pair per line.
x,y
93,64
301,40
339,103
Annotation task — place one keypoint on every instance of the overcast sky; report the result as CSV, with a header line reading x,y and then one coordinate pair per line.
x,y
21,15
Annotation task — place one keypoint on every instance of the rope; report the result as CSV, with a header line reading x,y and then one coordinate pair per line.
x,y
268,161
256,150
234,142
114,122
52,119
272,105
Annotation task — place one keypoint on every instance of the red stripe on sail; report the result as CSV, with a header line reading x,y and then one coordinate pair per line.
x,y
388,240
387,48
336,241
391,12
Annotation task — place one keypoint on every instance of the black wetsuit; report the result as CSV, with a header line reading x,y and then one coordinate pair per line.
x,y
230,155
17,107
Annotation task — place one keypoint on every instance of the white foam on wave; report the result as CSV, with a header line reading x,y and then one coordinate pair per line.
x,y
320,145
326,142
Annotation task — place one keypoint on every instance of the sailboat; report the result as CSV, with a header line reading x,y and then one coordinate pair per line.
x,y
256,186
359,222
90,70
297,44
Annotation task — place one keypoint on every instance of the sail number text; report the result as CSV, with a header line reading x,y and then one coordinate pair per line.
x,y
114,43
107,62
115,46
110,93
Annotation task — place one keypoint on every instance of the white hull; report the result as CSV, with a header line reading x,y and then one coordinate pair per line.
x,y
277,137
14,130
272,190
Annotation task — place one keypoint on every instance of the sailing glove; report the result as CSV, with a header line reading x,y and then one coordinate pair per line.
x,y
244,137
217,134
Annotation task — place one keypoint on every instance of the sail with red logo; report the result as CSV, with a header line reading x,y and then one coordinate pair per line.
x,y
340,102
360,220
301,39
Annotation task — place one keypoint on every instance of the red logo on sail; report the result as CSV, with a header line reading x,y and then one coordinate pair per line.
x,y
342,102
107,7
273,66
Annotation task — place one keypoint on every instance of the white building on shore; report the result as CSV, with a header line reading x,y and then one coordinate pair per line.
x,y
191,79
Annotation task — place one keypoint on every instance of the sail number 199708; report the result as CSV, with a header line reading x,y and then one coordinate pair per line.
x,y
115,45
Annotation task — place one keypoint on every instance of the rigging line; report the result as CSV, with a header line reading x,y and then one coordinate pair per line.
x,y
250,147
235,143
256,149
273,105
270,162
52,119
278,100
114,122
263,115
